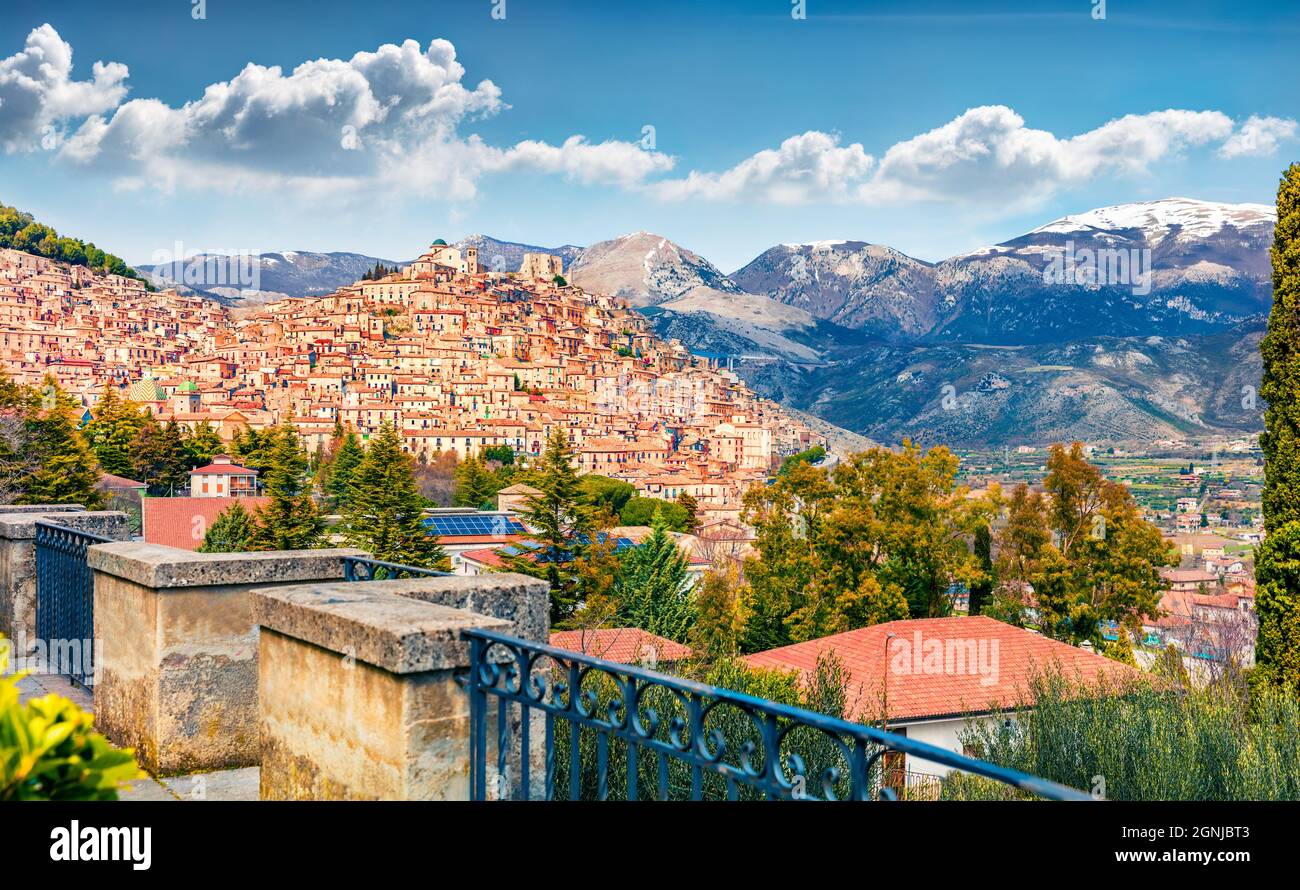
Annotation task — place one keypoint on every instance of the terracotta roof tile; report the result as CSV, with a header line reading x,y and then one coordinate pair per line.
x,y
624,645
182,522
985,665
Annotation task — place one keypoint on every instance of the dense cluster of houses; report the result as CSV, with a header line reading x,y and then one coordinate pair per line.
x,y
458,358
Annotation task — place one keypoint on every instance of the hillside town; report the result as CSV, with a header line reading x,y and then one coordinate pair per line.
x,y
457,358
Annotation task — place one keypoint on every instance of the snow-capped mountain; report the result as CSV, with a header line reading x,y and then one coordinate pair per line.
x,y
1182,218
866,286
507,256
1157,267
262,277
645,269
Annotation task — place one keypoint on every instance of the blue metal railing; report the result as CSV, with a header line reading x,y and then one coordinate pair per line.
x,y
358,568
566,719
65,600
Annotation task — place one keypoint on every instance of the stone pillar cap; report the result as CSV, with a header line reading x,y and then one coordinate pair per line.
x,y
161,567
20,525
373,622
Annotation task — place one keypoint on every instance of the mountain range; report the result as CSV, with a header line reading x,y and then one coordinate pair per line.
x,y
1127,323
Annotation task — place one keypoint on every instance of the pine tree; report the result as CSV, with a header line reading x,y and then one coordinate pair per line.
x,y
232,532
1277,571
653,590
560,524
291,520
160,458
475,485
65,468
384,515
113,430
203,444
342,469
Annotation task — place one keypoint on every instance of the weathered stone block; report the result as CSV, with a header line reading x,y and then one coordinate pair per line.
x,y
177,648
18,561
357,692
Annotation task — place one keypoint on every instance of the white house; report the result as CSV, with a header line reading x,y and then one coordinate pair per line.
x,y
223,479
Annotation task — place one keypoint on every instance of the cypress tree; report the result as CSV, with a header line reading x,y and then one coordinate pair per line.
x,y
384,513
981,589
1277,601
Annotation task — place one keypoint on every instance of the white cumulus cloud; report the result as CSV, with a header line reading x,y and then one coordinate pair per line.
x,y
38,93
809,167
985,153
393,119
1258,136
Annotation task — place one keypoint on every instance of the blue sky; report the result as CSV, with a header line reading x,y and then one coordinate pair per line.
x,y
934,127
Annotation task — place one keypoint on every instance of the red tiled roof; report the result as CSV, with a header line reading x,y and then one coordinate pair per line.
x,y
228,469
624,645
996,665
182,522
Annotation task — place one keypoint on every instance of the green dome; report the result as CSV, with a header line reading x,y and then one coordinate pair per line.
x,y
439,243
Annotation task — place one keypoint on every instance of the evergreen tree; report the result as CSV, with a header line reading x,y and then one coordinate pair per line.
x,y
113,430
65,470
1277,599
342,469
715,632
384,513
652,590
253,448
203,444
160,458
232,532
475,484
560,522
687,502
291,520
982,587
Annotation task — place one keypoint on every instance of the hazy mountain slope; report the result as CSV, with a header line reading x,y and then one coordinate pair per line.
x,y
645,270
851,283
1099,389
294,273
507,256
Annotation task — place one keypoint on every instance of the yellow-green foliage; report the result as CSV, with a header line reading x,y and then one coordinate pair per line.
x,y
50,751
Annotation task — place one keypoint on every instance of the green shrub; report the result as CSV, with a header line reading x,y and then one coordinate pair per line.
x,y
50,751
1144,741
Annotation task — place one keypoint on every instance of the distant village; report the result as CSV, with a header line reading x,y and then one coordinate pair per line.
x,y
459,359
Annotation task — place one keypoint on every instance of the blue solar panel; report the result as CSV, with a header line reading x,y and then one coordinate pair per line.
x,y
479,524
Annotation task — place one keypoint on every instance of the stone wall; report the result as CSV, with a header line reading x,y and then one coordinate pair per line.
x,y
357,691
18,560
177,648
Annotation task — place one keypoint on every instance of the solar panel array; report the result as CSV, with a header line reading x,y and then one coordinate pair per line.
x,y
475,524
